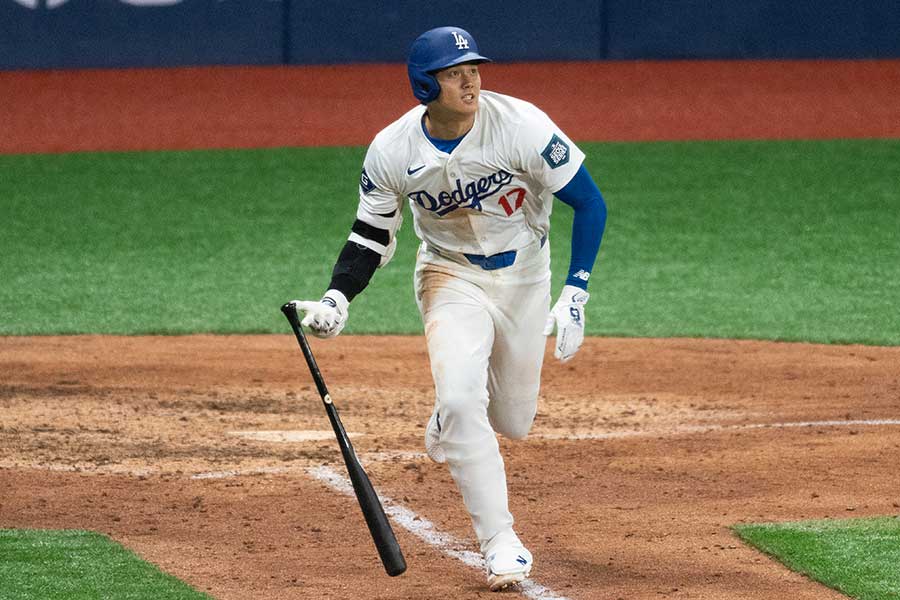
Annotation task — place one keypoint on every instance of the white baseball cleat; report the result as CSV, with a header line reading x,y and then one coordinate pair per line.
x,y
508,565
433,439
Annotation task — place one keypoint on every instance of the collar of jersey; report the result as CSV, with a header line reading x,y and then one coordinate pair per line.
x,y
442,145
445,146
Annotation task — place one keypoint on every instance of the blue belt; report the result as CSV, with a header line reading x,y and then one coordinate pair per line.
x,y
496,261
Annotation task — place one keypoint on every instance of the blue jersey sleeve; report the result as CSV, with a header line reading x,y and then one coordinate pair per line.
x,y
582,194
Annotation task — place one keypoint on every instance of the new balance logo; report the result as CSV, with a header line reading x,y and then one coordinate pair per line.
x,y
575,314
461,42
521,560
582,275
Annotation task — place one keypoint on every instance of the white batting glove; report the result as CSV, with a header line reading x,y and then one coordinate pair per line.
x,y
568,317
327,317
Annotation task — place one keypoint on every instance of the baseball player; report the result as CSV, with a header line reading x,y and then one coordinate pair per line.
x,y
479,171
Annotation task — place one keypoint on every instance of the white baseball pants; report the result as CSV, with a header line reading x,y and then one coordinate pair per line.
x,y
486,347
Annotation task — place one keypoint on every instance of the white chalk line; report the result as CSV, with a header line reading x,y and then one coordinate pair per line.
x,y
427,532
688,429
306,435
240,472
119,469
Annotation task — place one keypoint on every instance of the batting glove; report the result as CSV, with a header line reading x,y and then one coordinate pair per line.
x,y
568,317
327,317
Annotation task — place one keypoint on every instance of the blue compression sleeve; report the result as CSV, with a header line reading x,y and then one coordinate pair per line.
x,y
582,194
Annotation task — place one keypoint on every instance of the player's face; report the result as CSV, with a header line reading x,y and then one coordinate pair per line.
x,y
460,86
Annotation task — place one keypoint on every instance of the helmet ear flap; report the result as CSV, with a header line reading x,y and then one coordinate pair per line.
x,y
425,86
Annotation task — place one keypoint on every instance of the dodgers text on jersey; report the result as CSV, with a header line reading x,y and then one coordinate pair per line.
x,y
469,195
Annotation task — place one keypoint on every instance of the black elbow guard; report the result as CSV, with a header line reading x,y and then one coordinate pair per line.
x,y
353,270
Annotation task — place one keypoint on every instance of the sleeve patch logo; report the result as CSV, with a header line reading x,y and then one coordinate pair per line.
x,y
556,153
365,183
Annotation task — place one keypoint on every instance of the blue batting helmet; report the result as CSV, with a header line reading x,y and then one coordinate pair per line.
x,y
434,50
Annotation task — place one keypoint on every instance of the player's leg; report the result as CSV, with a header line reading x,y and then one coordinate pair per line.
x,y
520,310
520,302
459,333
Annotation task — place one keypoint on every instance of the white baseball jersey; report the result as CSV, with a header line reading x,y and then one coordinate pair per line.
x,y
484,326
493,193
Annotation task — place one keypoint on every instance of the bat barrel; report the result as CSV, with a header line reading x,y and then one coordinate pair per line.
x,y
376,519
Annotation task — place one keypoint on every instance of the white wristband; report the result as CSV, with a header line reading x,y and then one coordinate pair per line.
x,y
338,298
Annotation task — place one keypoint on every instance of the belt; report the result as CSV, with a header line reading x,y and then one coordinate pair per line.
x,y
496,261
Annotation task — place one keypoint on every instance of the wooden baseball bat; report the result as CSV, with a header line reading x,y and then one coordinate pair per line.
x,y
379,526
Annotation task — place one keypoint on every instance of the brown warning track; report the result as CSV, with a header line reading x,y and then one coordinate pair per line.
x,y
645,451
241,107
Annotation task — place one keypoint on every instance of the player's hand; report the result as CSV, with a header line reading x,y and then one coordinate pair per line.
x,y
327,317
568,317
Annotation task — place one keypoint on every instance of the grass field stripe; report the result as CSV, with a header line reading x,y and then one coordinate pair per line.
x,y
428,533
755,175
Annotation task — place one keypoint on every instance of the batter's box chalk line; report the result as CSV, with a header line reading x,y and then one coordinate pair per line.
x,y
304,435
691,429
426,531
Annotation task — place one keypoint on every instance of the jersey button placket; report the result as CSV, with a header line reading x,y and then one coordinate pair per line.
x,y
450,170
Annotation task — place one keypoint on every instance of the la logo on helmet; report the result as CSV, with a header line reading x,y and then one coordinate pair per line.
x,y
461,42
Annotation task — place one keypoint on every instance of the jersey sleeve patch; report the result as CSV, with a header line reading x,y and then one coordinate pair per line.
x,y
556,154
365,183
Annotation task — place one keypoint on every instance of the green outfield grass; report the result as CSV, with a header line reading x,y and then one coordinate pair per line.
x,y
80,565
765,240
858,557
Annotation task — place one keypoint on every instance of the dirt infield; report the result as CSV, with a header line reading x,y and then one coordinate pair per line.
x,y
644,452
